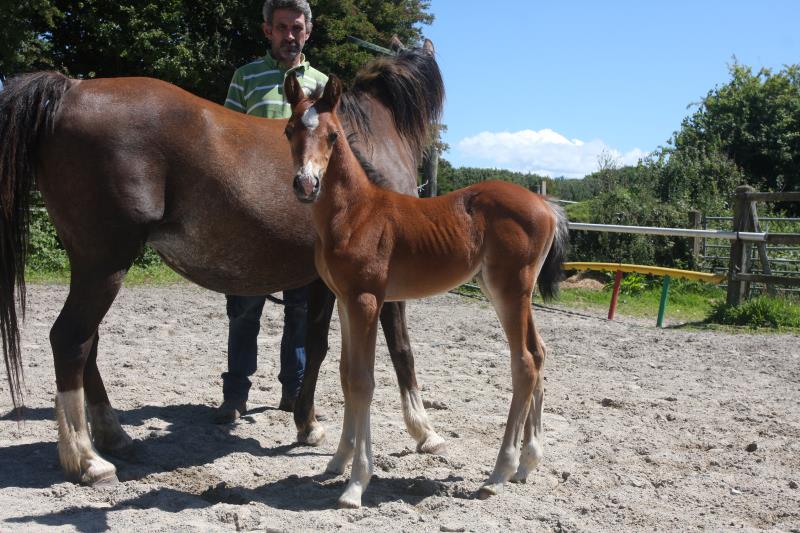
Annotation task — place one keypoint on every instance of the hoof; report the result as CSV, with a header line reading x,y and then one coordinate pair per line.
x,y
99,473
347,503
488,491
335,467
312,436
519,478
107,481
351,499
434,445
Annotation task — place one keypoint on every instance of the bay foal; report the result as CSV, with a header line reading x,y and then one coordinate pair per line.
x,y
375,245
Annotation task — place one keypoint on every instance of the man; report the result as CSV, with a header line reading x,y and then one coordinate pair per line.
x,y
257,89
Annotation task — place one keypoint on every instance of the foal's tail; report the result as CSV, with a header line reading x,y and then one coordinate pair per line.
x,y
552,273
28,105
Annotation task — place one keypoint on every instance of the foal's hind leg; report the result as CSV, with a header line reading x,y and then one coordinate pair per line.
x,y
393,321
320,308
533,440
510,294
73,339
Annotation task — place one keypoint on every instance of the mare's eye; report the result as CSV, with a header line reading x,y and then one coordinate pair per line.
x,y
332,136
288,132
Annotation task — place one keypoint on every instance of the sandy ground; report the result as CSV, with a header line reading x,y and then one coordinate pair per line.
x,y
646,429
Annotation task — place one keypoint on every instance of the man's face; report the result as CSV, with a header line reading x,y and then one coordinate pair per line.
x,y
287,35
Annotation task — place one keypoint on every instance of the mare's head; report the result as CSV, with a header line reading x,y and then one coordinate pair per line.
x,y
312,132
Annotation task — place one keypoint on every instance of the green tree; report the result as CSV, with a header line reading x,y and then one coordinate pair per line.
x,y
755,121
194,44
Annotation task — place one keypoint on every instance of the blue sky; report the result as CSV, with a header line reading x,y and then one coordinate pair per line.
x,y
546,87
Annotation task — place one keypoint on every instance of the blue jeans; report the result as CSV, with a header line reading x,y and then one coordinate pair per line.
x,y
244,315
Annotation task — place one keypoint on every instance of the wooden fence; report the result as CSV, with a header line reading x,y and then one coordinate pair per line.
x,y
745,219
746,234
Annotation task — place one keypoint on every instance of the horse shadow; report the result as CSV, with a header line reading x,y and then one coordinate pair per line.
x,y
294,493
35,465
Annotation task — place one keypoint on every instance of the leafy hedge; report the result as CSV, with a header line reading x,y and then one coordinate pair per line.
x,y
47,254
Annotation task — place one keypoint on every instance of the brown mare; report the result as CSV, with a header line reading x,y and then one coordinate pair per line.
x,y
128,161
374,246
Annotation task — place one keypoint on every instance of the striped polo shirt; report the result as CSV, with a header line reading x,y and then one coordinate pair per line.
x,y
257,88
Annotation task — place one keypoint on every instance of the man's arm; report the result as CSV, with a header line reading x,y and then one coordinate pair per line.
x,y
235,98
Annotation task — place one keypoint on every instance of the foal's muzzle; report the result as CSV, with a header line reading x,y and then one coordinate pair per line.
x,y
306,187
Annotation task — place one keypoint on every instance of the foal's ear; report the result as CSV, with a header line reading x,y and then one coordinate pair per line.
x,y
333,91
428,46
292,89
396,45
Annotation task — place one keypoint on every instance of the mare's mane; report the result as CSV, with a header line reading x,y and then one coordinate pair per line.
x,y
410,86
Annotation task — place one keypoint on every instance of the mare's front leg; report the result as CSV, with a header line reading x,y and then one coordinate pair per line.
x,y
358,383
320,309
73,338
393,321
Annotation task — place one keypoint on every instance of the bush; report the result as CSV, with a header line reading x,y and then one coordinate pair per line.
x,y
630,208
47,254
763,311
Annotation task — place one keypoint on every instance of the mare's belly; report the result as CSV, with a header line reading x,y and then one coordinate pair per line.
x,y
239,262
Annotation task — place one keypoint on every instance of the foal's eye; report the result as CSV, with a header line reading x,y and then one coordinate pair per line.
x,y
332,136
287,132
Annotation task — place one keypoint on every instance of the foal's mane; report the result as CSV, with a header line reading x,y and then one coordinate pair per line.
x,y
409,85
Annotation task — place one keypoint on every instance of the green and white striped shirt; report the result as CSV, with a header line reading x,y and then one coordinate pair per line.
x,y
257,88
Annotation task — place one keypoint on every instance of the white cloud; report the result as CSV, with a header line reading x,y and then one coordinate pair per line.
x,y
543,152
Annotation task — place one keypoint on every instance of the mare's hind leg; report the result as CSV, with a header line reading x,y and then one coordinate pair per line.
x,y
320,308
510,293
533,440
393,321
107,432
73,339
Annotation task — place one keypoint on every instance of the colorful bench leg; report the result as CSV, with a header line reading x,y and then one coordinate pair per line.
x,y
615,295
662,306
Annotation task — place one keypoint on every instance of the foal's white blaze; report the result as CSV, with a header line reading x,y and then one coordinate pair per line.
x,y
309,170
310,119
75,450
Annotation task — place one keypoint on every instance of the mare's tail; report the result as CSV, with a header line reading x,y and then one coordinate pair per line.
x,y
28,105
552,272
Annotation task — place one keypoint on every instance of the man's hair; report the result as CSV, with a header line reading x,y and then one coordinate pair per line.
x,y
297,5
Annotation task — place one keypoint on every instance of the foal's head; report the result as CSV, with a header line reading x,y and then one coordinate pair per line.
x,y
312,131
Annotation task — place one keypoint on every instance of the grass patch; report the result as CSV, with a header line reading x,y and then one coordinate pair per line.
x,y
154,274
761,312
689,301
685,304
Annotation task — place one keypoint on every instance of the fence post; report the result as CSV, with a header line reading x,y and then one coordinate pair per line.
x,y
762,250
696,222
430,172
738,261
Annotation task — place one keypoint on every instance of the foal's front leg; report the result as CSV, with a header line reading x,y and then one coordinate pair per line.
x,y
361,313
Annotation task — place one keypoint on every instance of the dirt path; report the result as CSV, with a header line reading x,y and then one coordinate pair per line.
x,y
646,429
